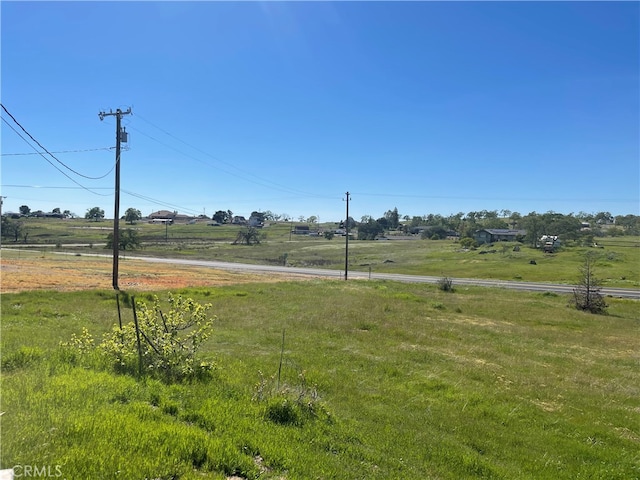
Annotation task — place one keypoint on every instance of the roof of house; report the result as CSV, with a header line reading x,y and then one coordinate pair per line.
x,y
503,231
162,214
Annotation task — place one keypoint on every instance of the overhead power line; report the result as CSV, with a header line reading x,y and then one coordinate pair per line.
x,y
52,164
244,175
47,151
59,151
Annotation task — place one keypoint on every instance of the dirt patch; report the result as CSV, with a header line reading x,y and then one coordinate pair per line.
x,y
71,273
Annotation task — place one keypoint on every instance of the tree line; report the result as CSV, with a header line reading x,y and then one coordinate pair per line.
x,y
464,225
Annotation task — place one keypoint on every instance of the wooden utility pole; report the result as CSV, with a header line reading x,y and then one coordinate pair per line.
x,y
1,201
121,135
346,245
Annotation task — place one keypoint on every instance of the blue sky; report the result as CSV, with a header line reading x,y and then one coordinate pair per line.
x,y
427,107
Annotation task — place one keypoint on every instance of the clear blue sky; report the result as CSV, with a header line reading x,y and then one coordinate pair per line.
x,y
425,106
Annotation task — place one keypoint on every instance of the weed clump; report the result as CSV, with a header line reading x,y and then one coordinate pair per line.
x,y
445,284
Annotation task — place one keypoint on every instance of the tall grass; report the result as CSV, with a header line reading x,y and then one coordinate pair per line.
x,y
379,380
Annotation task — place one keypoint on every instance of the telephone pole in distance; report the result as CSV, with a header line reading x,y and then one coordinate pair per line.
x,y
121,136
346,245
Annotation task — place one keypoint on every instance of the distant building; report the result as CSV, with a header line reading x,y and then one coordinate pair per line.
x,y
163,215
300,230
491,235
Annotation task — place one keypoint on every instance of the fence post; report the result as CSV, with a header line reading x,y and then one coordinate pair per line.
x,y
135,320
119,314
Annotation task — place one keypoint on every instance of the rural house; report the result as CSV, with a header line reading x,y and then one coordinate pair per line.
x,y
491,235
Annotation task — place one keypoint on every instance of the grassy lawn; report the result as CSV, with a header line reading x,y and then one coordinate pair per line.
x,y
378,380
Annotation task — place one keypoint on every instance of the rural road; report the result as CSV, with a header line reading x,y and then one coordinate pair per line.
x,y
339,274
559,288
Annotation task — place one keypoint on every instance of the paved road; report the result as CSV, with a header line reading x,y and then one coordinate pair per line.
x,y
319,272
337,274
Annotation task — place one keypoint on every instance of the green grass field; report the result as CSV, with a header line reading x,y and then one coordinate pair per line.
x,y
379,380
618,264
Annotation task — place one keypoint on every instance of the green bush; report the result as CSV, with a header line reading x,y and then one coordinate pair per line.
x,y
162,345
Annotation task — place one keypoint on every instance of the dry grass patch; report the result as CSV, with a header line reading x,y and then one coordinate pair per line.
x,y
35,271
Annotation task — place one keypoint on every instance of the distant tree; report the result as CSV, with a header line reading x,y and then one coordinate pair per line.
x,y
587,295
369,230
434,233
603,218
25,210
248,236
132,215
494,222
533,225
268,216
301,218
221,217
312,219
128,240
630,224
13,228
393,218
56,210
95,213
514,220
328,234
285,217
383,222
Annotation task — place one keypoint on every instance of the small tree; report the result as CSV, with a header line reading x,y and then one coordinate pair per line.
x,y
587,295
95,213
25,210
132,215
128,240
248,236
167,343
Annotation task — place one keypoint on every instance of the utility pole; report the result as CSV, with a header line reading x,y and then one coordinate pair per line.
x,y
121,136
1,200
346,245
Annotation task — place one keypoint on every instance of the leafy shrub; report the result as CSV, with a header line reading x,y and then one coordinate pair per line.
x,y
445,284
163,345
468,242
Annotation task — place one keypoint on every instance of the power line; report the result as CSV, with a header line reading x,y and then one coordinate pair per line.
x,y
243,173
59,151
48,161
47,151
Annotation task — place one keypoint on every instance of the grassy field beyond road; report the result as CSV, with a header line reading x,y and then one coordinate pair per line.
x,y
395,381
618,262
